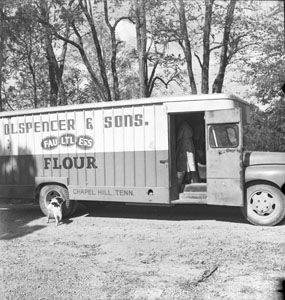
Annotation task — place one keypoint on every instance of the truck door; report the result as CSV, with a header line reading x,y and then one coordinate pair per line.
x,y
224,157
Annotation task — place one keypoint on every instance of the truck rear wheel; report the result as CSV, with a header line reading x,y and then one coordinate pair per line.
x,y
50,191
265,205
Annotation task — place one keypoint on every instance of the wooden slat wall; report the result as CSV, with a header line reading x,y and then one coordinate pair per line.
x,y
128,149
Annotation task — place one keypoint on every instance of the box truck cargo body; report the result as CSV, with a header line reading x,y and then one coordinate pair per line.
x,y
106,153
125,151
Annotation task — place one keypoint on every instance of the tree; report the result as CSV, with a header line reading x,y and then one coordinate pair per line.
x,y
55,66
75,15
114,45
78,14
40,41
186,45
206,46
29,40
266,131
27,61
197,27
2,49
264,70
156,67
140,20
87,8
224,57
4,38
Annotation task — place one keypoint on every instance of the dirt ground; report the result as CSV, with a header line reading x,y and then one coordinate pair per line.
x,y
135,252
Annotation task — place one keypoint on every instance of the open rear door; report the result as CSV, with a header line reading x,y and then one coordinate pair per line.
x,y
224,157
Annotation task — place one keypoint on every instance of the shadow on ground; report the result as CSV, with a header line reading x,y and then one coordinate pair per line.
x,y
15,219
176,213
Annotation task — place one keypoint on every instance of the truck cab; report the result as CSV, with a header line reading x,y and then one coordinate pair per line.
x,y
227,174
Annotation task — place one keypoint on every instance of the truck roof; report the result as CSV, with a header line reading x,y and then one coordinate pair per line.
x,y
123,103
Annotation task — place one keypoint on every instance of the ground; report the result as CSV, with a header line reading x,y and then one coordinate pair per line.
x,y
136,252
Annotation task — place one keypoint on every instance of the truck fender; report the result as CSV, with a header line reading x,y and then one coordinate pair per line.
x,y
54,180
41,181
269,173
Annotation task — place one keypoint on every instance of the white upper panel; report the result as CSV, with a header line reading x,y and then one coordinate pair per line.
x,y
203,98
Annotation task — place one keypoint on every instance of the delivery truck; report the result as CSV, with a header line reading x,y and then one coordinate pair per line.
x,y
156,151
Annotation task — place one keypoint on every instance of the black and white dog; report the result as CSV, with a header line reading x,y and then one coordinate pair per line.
x,y
55,209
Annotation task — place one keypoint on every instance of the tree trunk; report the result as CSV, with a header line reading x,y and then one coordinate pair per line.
x,y
89,17
35,90
114,66
1,76
224,61
187,46
2,50
32,69
206,46
112,29
141,45
1,69
62,94
55,70
52,63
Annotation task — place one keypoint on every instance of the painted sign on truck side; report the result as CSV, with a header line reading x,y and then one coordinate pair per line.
x,y
97,148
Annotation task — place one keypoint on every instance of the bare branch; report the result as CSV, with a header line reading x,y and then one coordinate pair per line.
x,y
106,13
148,50
59,36
165,83
123,18
175,6
216,47
199,60
153,72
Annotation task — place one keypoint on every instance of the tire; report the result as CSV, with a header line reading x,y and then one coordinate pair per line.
x,y
264,205
48,192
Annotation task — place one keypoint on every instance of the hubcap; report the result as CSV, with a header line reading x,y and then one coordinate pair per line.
x,y
262,203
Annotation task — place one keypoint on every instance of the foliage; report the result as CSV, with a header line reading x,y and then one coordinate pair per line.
x,y
263,69
27,64
263,64
266,131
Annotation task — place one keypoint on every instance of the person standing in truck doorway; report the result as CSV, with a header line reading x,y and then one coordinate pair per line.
x,y
185,160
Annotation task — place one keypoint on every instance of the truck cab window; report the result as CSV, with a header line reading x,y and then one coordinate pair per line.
x,y
223,136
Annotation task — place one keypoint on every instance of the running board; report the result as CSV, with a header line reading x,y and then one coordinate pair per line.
x,y
191,198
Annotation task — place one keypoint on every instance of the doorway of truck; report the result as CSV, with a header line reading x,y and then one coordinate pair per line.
x,y
188,170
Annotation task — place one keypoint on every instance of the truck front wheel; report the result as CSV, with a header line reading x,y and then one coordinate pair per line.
x,y
48,192
264,205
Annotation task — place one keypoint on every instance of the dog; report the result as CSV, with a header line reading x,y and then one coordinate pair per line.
x,y
55,209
